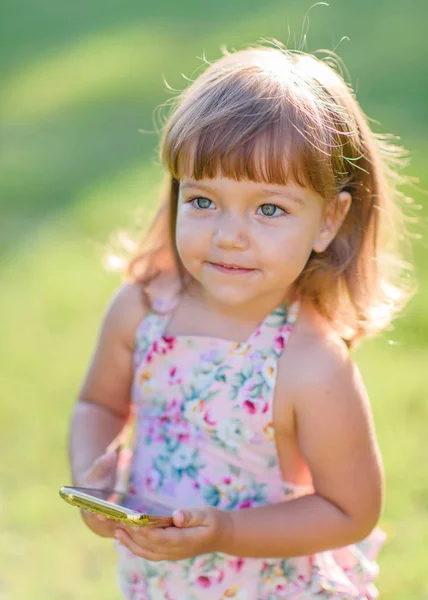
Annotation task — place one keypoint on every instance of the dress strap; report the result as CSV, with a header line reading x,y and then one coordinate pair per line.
x,y
273,333
151,328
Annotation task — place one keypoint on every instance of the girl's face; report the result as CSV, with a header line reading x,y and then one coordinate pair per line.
x,y
246,242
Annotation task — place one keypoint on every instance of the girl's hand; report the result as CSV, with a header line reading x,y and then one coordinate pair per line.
x,y
197,531
101,475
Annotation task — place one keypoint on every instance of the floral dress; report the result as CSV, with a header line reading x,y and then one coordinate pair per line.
x,y
204,436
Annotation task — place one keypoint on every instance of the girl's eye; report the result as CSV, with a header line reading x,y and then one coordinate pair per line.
x,y
201,203
270,210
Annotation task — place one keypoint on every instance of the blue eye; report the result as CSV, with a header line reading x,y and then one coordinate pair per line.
x,y
201,203
269,210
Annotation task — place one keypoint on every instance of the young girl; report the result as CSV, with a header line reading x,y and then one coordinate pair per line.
x,y
230,342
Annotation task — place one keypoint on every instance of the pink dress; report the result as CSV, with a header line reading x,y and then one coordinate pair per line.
x,y
204,436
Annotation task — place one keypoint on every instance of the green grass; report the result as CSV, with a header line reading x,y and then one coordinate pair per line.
x,y
79,80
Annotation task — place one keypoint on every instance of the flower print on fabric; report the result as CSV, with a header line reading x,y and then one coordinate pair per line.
x,y
236,490
205,435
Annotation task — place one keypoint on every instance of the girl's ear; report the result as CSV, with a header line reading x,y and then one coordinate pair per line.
x,y
332,220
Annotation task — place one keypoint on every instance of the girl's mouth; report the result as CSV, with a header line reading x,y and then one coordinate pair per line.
x,y
231,269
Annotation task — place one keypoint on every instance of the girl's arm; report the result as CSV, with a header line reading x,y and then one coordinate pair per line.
x,y
335,432
104,400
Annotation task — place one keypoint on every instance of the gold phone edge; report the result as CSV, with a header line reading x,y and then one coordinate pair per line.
x,y
125,515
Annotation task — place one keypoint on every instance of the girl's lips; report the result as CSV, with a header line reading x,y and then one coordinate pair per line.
x,y
231,269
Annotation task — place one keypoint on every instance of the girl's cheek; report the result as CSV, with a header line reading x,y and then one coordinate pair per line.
x,y
191,232
189,244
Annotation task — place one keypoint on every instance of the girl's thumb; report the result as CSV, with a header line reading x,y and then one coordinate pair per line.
x,y
102,465
187,518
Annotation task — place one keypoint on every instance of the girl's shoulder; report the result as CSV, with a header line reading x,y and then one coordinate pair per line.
x,y
319,390
126,310
131,304
316,357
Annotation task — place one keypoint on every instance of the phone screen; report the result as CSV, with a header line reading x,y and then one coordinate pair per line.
x,y
130,501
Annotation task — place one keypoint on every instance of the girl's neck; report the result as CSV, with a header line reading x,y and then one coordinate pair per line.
x,y
249,313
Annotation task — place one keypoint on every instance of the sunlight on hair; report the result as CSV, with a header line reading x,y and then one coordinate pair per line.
x,y
381,314
115,263
117,254
126,241
269,114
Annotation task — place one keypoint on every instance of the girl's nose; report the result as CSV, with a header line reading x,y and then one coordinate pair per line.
x,y
231,232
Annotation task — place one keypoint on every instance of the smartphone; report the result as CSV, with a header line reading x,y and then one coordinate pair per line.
x,y
127,508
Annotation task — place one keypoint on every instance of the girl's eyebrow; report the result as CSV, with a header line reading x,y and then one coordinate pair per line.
x,y
288,195
193,184
264,191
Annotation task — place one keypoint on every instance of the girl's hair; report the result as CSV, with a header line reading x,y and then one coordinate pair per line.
x,y
272,115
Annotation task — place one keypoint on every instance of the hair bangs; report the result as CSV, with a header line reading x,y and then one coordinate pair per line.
x,y
265,137
261,156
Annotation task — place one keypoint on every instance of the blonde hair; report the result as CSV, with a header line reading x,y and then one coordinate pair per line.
x,y
268,114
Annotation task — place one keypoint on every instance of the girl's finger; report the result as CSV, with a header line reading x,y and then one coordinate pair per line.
x,y
151,537
102,518
189,518
102,466
125,540
115,445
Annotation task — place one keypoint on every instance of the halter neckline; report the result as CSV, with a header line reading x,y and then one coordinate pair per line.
x,y
165,307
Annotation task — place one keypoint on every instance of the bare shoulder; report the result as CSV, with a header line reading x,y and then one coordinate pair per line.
x,y
126,310
132,302
318,383
315,358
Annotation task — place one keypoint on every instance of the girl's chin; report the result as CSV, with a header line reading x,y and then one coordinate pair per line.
x,y
232,297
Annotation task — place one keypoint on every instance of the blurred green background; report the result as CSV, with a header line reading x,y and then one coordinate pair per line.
x,y
79,79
